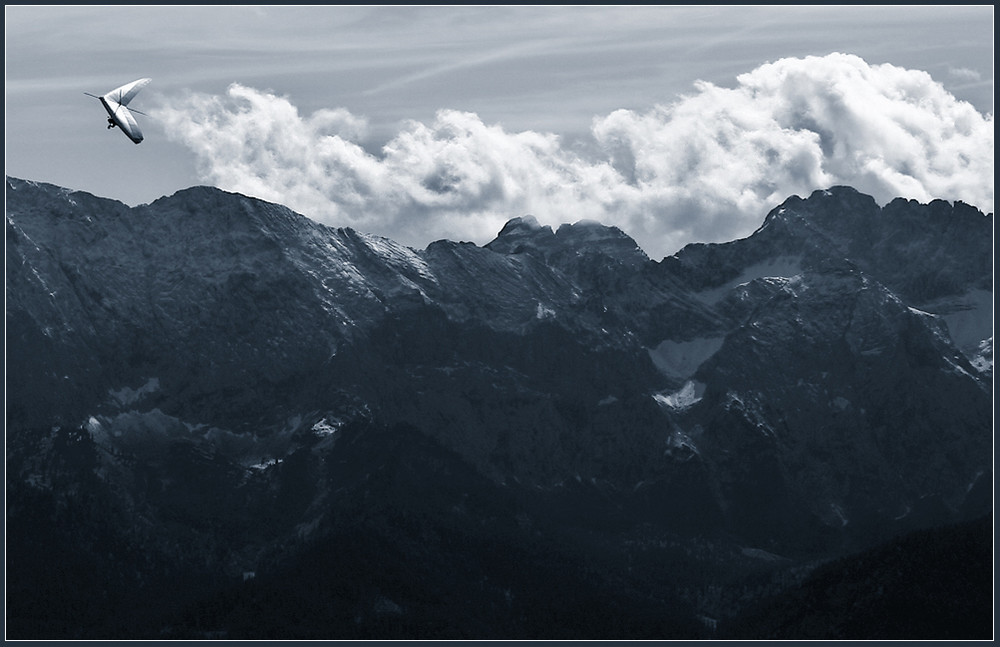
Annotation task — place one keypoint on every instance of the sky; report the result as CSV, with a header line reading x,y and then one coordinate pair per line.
x,y
677,124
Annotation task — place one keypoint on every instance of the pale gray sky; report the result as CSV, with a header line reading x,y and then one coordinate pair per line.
x,y
551,71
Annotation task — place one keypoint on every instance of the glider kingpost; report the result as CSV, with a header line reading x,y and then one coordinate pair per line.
x,y
115,103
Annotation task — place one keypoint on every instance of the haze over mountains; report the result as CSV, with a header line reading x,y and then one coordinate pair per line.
x,y
476,441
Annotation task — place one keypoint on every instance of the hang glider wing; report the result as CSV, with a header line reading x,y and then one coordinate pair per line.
x,y
118,115
127,92
124,120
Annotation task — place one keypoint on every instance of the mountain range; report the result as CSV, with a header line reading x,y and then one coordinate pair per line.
x,y
232,421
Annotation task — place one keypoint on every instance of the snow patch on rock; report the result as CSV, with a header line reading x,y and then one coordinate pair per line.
x,y
780,267
688,395
681,359
542,312
983,359
127,396
969,320
327,426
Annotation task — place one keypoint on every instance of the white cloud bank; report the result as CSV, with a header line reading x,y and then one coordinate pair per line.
x,y
707,167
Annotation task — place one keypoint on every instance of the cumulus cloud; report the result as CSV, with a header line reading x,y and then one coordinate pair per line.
x,y
706,167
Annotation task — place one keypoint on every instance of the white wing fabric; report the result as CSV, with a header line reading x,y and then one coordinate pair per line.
x,y
128,124
115,102
127,92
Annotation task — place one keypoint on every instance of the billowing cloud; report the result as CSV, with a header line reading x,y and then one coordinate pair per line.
x,y
706,167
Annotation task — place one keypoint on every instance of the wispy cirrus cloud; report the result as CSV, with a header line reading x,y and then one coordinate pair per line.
x,y
706,167
965,74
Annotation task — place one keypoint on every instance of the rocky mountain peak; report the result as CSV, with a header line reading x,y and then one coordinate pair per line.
x,y
828,216
522,234
593,236
821,383
569,242
230,301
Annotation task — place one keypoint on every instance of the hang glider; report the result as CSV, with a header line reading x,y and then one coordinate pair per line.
x,y
115,103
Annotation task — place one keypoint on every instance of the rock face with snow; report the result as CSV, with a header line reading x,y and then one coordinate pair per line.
x,y
234,383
